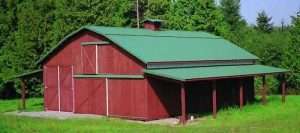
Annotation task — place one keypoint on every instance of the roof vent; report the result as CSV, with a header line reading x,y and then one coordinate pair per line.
x,y
152,24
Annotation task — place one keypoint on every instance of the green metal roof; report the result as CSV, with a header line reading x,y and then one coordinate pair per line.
x,y
166,45
109,76
186,74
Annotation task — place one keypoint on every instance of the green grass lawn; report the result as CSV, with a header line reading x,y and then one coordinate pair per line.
x,y
256,118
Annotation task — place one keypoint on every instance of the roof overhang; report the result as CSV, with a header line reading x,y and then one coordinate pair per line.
x,y
213,72
28,74
200,63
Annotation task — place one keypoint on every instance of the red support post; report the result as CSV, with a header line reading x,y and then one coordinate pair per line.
x,y
283,88
214,98
183,105
264,90
23,94
241,87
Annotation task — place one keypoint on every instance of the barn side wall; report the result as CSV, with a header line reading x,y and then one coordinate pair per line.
x,y
127,98
164,96
199,94
113,60
90,96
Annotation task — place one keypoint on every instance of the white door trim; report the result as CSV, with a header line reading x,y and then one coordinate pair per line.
x,y
97,71
73,89
58,87
106,95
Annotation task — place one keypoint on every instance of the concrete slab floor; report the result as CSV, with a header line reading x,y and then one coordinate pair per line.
x,y
68,115
54,114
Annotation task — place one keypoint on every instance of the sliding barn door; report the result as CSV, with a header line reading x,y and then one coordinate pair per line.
x,y
59,88
51,88
66,88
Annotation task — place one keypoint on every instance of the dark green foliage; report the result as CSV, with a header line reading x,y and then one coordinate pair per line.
x,y
231,12
263,22
292,54
196,15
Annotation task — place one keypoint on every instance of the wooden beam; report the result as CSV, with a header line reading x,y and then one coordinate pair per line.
x,y
214,98
183,105
264,90
23,94
283,88
95,43
241,96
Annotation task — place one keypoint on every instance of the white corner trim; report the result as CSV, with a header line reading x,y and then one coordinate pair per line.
x,y
106,95
73,89
58,87
97,71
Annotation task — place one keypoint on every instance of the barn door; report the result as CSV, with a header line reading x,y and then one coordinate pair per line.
x,y
51,88
59,88
66,88
89,59
90,96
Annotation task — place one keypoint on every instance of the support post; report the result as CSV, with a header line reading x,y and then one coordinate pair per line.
x,y
214,99
241,87
183,105
264,90
283,88
23,94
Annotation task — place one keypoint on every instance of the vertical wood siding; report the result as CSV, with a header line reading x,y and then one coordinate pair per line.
x,y
90,96
127,98
163,98
116,61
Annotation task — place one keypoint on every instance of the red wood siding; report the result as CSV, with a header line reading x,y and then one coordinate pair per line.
x,y
83,60
116,61
51,90
71,53
89,59
163,98
90,96
58,88
127,98
66,88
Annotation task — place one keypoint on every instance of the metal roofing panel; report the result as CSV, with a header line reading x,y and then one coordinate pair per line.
x,y
166,45
146,32
185,74
162,49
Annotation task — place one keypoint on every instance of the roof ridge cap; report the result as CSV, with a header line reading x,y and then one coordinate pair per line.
x,y
216,37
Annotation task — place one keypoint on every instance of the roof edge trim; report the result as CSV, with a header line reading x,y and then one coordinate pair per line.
x,y
123,76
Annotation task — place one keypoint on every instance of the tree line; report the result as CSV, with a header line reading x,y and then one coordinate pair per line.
x,y
29,28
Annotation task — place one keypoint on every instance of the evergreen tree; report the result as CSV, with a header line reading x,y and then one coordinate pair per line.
x,y
196,15
231,12
292,54
263,22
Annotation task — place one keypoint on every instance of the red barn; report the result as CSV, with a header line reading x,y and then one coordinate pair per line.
x,y
148,73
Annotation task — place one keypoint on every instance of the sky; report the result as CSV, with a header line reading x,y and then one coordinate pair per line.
x,y
279,10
